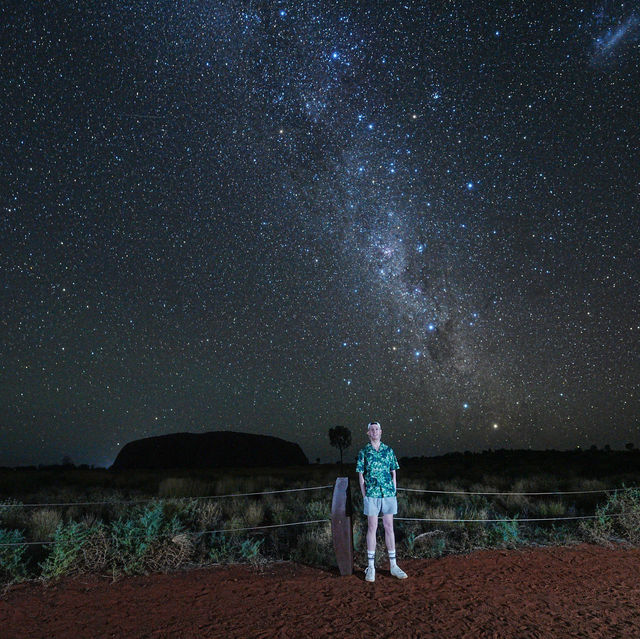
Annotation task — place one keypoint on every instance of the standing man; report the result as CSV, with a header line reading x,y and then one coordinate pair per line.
x,y
377,465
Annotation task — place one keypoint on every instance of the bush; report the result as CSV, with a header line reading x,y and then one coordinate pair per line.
x,y
618,519
315,547
132,540
12,563
183,487
66,553
250,549
170,553
13,514
96,548
505,533
44,523
554,508
318,509
221,548
252,514
229,549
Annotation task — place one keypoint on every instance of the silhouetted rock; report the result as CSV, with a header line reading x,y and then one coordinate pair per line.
x,y
209,450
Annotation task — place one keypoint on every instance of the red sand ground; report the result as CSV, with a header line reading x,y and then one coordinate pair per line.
x,y
581,591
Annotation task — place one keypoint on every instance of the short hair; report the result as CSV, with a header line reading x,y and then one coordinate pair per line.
x,y
370,424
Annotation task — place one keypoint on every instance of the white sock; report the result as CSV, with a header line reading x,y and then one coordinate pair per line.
x,y
392,558
371,556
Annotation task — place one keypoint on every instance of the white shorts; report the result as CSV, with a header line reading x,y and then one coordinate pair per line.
x,y
374,506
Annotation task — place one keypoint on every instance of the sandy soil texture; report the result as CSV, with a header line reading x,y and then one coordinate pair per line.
x,y
580,591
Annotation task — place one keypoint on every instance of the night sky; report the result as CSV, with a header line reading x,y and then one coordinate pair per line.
x,y
277,217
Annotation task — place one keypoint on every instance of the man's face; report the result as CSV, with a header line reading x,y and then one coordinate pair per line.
x,y
375,432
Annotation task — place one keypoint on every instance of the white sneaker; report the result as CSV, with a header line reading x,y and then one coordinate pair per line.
x,y
396,571
370,574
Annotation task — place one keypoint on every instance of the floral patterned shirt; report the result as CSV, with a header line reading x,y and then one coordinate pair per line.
x,y
376,466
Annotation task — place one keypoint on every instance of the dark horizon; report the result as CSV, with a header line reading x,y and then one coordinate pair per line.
x,y
350,454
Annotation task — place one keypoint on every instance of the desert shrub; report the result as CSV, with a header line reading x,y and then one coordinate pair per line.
x,y
250,550
318,509
431,544
629,515
253,514
415,541
96,547
13,565
13,514
280,513
514,503
170,552
468,538
172,487
207,514
553,508
234,526
232,485
440,512
535,484
415,507
66,553
315,546
221,548
505,534
132,539
553,534
617,519
44,523
225,548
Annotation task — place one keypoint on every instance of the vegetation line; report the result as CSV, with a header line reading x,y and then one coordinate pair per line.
x,y
204,532
160,499
294,523
558,492
507,520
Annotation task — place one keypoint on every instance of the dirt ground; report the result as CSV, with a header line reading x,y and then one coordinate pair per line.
x,y
580,591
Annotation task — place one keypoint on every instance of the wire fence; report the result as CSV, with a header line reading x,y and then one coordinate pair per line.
x,y
173,499
156,499
317,521
503,520
519,494
293,490
197,534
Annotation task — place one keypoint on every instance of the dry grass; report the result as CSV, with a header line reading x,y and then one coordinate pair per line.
x,y
208,515
183,487
44,522
171,553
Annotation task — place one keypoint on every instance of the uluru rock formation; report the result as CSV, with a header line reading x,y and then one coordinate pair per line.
x,y
209,450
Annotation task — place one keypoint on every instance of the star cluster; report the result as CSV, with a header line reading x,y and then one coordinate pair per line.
x,y
276,217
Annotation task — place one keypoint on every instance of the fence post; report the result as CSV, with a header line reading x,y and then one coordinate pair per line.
x,y
342,525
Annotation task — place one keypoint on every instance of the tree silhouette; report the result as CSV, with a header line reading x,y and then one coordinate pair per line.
x,y
340,437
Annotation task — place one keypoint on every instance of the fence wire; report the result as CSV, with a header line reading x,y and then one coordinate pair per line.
x,y
158,499
317,521
519,494
197,534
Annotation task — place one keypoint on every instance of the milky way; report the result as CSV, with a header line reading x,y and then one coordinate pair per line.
x,y
276,217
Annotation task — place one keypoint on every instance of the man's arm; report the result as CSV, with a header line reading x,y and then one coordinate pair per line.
x,y
393,476
361,479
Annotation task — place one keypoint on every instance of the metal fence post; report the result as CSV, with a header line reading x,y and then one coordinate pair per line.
x,y
342,525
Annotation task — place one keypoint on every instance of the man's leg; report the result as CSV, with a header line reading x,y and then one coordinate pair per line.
x,y
389,535
390,540
372,527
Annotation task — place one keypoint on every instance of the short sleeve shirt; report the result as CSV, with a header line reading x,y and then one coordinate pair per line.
x,y
376,467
